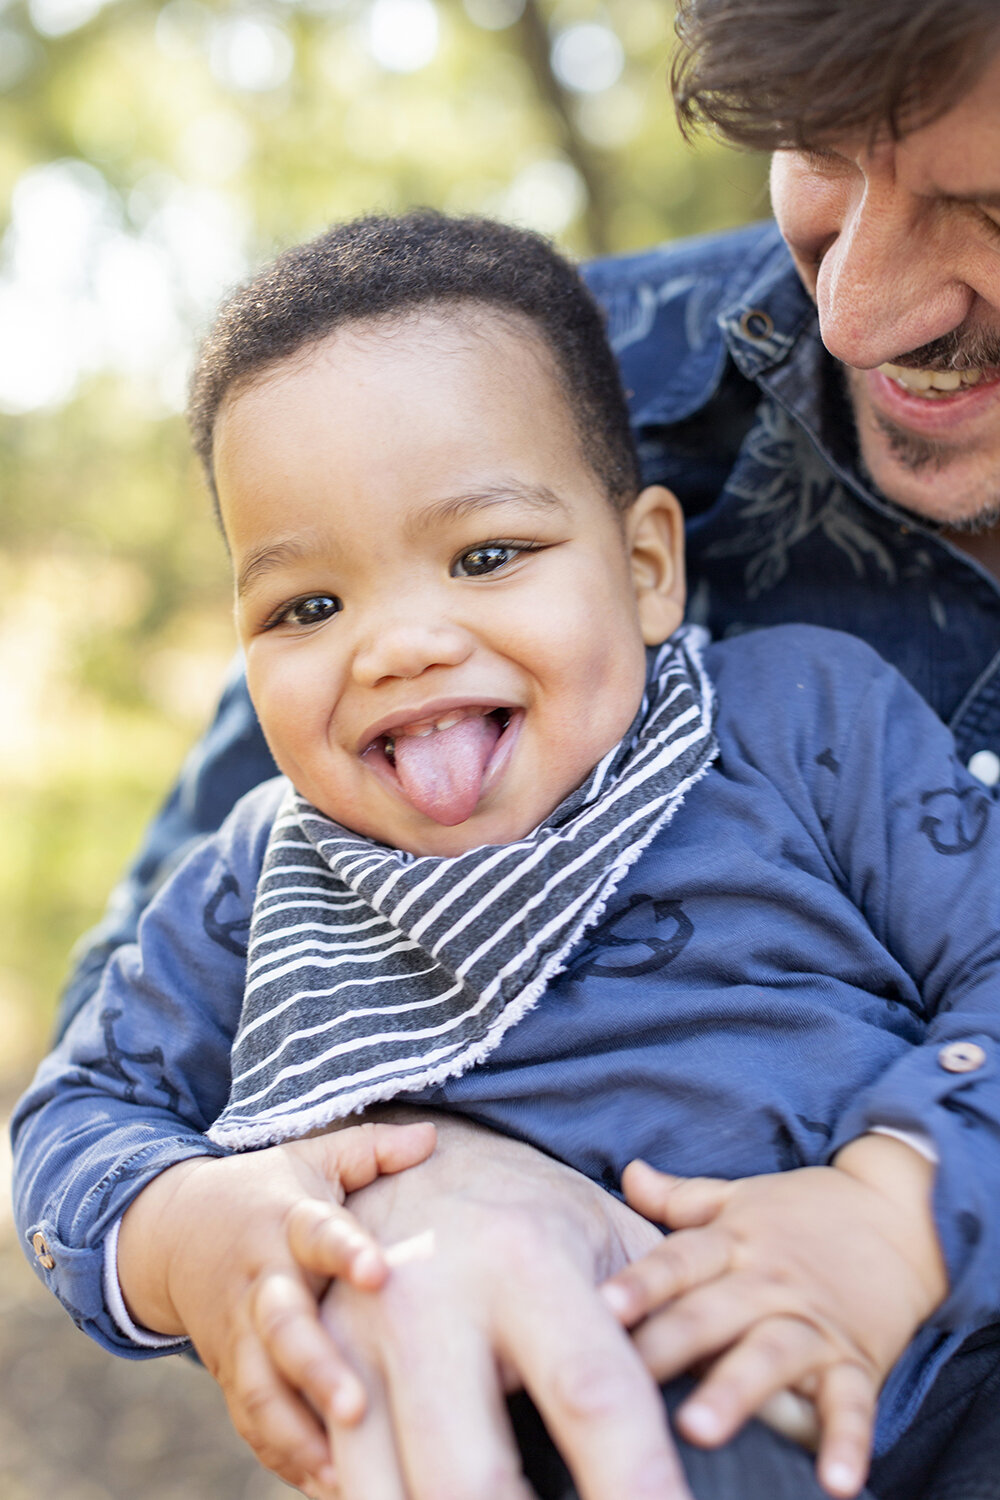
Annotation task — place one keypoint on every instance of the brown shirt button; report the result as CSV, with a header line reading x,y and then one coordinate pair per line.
x,y
961,1057
756,324
42,1253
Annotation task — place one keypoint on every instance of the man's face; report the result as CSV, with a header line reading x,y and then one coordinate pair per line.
x,y
900,247
440,607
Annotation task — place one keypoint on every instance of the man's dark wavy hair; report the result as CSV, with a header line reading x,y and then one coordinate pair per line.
x,y
799,73
383,268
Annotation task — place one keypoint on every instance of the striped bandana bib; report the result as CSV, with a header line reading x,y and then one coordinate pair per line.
x,y
372,973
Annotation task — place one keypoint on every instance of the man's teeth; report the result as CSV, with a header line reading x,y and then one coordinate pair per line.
x,y
931,382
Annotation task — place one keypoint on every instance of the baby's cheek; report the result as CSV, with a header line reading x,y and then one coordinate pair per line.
x,y
293,718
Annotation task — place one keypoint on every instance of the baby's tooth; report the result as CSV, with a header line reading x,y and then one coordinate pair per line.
x,y
425,727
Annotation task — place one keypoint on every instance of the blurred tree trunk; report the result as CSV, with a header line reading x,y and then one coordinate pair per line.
x,y
536,48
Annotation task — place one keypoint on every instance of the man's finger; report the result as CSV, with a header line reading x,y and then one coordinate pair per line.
x,y
773,1355
450,1419
596,1400
686,1259
846,1405
286,1317
365,1457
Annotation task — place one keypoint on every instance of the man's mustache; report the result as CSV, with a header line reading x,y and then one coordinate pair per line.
x,y
961,349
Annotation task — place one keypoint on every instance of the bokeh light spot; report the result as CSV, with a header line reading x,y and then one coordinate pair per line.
x,y
546,195
58,17
403,35
251,54
587,58
79,292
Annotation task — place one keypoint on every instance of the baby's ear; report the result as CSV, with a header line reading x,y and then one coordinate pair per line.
x,y
654,532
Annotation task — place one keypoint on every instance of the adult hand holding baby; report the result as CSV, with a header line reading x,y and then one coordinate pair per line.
x,y
494,1285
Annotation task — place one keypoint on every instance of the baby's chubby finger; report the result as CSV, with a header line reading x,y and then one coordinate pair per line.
x,y
315,1491
285,1316
328,1242
273,1419
678,1202
358,1154
684,1260
771,1356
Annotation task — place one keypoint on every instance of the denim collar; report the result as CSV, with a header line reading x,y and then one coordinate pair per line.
x,y
757,326
771,332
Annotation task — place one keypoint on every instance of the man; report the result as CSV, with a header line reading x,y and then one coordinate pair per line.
x,y
855,485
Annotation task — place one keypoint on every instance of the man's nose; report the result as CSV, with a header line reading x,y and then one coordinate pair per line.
x,y
407,644
889,281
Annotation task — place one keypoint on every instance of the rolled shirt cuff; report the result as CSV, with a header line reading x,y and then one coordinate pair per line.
x,y
144,1337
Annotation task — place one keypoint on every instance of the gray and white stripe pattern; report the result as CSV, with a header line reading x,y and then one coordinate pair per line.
x,y
372,973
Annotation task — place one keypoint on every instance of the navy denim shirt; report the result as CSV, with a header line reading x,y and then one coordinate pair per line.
x,y
738,409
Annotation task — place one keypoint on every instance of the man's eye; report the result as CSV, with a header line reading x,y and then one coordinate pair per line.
x,y
480,560
310,611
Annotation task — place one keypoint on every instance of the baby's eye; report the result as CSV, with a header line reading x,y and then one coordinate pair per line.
x,y
486,559
312,610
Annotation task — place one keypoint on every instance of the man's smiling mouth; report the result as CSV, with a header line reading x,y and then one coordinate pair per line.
x,y
934,385
440,764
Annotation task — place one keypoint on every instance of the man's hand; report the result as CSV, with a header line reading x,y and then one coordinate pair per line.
x,y
495,1253
234,1252
813,1280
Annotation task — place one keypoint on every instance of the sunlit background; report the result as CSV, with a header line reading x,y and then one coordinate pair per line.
x,y
149,156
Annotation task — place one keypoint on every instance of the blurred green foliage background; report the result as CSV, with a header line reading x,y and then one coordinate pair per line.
x,y
149,155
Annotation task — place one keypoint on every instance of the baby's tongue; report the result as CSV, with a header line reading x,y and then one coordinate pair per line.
x,y
442,773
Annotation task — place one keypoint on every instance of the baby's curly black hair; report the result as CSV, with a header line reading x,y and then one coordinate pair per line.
x,y
378,266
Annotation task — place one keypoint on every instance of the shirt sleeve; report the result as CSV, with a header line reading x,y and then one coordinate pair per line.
x,y
139,1075
918,841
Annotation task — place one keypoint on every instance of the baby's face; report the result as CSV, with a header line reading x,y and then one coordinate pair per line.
x,y
443,616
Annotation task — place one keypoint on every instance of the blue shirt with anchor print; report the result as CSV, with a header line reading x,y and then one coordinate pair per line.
x,y
810,950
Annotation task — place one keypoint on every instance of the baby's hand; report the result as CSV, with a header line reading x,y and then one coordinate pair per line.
x,y
814,1280
235,1252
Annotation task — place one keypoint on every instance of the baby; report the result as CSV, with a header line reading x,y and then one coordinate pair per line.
x,y
546,858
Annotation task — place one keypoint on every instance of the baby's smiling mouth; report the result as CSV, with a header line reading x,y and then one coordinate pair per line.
x,y
439,764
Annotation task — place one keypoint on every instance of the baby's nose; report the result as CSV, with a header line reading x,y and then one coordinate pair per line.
x,y
406,648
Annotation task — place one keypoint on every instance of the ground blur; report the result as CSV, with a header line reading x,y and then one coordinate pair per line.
x,y
79,1424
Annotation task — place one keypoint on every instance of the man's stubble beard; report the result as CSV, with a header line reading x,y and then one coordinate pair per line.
x,y
961,349
920,455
